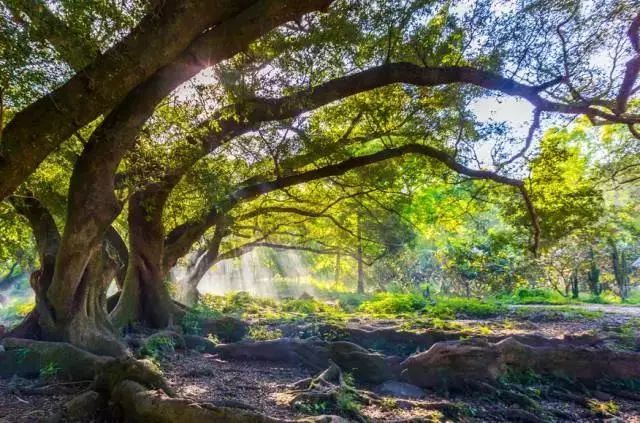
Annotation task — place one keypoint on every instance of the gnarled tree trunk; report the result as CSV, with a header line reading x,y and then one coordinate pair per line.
x,y
145,297
87,324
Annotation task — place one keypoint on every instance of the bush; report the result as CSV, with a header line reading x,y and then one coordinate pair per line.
x,y
307,306
234,303
633,298
606,297
393,303
350,302
538,296
456,307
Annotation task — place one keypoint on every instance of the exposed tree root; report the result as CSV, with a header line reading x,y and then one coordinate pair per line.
x,y
134,387
28,358
140,404
455,364
333,390
393,340
316,354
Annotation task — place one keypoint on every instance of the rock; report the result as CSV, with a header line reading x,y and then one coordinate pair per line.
x,y
84,405
226,329
400,389
200,344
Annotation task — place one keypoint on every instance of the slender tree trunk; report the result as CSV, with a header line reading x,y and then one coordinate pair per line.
x,y
338,265
594,275
359,257
619,265
201,264
575,284
145,297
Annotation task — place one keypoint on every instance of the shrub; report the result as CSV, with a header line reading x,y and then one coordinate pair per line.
x,y
538,296
306,306
455,307
350,302
393,303
606,297
264,333
158,347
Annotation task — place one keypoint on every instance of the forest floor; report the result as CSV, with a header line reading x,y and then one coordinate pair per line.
x,y
266,386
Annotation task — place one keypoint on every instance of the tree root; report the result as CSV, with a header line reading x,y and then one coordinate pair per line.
x,y
332,389
454,364
315,354
28,358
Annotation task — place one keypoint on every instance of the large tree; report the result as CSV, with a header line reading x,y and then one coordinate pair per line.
x,y
391,79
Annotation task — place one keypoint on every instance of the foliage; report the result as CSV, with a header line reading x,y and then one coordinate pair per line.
x,y
13,312
537,296
603,408
264,333
158,347
50,370
393,303
458,307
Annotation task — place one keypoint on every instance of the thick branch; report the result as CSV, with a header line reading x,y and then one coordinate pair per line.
x,y
632,67
160,37
187,234
92,203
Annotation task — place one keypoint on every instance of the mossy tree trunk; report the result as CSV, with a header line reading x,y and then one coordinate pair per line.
x,y
87,323
145,296
620,269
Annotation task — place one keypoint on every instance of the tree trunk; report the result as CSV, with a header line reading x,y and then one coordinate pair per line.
x,y
619,265
575,284
88,326
594,275
338,264
359,257
145,297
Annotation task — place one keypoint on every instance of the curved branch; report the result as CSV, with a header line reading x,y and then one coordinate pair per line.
x,y
189,232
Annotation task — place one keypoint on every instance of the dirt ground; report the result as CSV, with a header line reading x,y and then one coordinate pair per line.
x,y
266,387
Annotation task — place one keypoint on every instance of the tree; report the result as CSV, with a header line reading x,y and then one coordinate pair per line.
x,y
399,74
